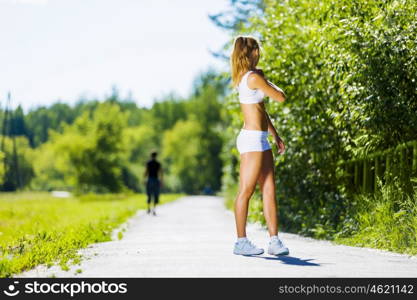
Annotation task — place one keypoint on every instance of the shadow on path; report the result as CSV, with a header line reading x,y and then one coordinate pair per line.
x,y
290,260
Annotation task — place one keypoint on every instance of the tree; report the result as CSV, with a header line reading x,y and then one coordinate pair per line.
x,y
89,151
182,151
139,142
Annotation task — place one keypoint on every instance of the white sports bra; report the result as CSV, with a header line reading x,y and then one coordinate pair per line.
x,y
247,95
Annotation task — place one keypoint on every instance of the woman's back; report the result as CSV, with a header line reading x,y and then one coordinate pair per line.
x,y
252,105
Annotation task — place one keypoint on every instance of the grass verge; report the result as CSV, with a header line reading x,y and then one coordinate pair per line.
x,y
37,228
385,220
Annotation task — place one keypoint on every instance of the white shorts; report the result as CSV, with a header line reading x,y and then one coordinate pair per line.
x,y
252,140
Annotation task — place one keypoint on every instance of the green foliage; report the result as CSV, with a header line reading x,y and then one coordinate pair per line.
x,y
37,228
39,121
385,220
102,146
191,149
400,163
89,152
2,168
206,108
139,142
182,151
16,163
166,112
52,169
349,71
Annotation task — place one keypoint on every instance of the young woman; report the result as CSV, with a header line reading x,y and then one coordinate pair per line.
x,y
256,160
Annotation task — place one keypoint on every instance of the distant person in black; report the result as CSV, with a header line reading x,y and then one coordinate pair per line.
x,y
153,173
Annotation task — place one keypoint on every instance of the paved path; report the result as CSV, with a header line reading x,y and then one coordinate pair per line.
x,y
194,236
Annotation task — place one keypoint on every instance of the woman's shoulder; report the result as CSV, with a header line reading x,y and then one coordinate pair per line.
x,y
255,78
245,76
255,74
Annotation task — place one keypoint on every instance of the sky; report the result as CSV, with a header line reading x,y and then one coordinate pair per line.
x,y
62,50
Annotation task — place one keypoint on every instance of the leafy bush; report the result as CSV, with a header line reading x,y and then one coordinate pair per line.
x,y
349,71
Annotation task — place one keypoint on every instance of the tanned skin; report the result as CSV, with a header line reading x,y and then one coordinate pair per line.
x,y
258,167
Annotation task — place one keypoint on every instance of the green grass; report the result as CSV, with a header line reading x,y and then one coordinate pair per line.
x,y
36,228
386,220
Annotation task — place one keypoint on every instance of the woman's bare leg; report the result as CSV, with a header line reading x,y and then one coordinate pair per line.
x,y
250,168
267,186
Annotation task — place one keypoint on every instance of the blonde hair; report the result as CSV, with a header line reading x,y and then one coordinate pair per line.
x,y
242,58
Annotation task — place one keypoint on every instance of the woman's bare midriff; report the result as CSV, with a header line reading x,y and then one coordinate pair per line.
x,y
254,116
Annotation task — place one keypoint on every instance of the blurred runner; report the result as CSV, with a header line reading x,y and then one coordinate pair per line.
x,y
153,175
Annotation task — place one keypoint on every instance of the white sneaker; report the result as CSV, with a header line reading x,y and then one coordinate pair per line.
x,y
245,247
277,247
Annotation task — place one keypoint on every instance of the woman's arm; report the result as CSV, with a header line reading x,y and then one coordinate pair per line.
x,y
274,133
257,81
271,128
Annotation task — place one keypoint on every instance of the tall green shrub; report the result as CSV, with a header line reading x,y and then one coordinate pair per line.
x,y
349,70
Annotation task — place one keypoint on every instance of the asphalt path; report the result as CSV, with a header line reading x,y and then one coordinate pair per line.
x,y
194,237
